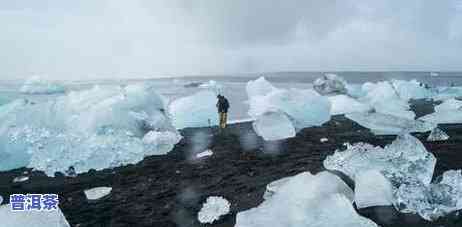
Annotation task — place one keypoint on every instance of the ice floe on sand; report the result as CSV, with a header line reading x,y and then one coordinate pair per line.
x,y
213,209
385,124
408,167
197,110
97,193
37,85
9,218
288,200
304,108
448,112
90,129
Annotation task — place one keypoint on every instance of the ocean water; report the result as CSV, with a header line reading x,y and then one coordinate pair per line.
x,y
234,85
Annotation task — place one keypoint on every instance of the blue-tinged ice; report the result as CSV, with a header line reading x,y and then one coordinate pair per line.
x,y
448,112
432,201
405,160
37,85
342,104
383,97
198,110
305,200
305,108
9,218
91,129
385,124
274,126
372,188
412,89
330,84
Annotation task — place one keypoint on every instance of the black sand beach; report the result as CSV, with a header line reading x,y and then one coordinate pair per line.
x,y
163,191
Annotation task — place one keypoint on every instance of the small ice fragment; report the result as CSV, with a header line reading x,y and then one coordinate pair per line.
x,y
10,218
330,84
372,189
204,154
97,193
323,140
437,135
20,179
213,209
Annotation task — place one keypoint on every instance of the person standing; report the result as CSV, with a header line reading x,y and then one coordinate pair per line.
x,y
222,106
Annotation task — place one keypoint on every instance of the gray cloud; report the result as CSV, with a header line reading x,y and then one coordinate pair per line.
x,y
139,38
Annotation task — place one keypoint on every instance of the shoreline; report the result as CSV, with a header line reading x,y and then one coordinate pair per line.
x,y
168,190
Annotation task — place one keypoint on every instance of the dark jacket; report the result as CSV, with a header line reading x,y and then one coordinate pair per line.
x,y
222,104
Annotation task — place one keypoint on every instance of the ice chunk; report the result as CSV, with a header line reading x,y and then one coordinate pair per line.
x,y
330,84
213,209
342,104
384,124
434,200
36,85
448,112
158,143
90,129
411,89
437,135
305,108
292,197
274,126
355,90
372,189
204,154
97,193
383,97
54,218
444,93
197,110
259,87
323,140
405,160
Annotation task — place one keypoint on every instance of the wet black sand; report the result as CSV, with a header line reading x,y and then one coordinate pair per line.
x,y
163,191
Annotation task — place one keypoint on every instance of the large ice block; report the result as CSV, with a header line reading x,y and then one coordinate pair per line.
x,y
342,104
385,124
432,201
97,128
305,200
448,112
305,108
405,160
372,188
330,84
198,110
54,218
383,97
274,126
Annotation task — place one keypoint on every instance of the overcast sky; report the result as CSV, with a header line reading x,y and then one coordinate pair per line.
x,y
86,39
